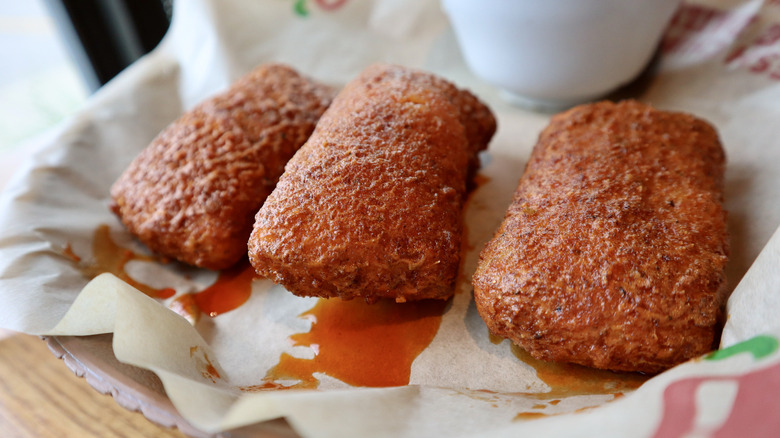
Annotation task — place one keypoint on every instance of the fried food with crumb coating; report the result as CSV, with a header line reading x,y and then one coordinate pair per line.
x,y
371,206
193,192
612,253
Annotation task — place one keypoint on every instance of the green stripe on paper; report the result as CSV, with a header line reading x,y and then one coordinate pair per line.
x,y
300,8
760,347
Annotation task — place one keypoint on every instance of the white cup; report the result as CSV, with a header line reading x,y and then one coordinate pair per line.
x,y
558,53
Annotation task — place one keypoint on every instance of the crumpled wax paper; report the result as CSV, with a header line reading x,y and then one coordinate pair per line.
x,y
719,61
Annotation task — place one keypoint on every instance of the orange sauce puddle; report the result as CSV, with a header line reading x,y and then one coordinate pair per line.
x,y
112,258
232,288
371,345
529,416
568,380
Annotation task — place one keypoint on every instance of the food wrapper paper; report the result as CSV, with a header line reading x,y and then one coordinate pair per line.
x,y
719,60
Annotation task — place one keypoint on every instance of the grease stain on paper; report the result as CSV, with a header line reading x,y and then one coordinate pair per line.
x,y
207,369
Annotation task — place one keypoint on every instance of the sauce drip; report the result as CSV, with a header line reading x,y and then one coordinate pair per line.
x,y
360,344
67,251
529,415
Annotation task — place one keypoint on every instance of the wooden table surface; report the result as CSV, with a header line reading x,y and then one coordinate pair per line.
x,y
41,397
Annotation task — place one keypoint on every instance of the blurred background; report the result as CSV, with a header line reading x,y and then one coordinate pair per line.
x,y
55,53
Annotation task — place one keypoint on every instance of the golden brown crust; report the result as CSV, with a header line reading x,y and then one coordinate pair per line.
x,y
193,192
613,250
371,206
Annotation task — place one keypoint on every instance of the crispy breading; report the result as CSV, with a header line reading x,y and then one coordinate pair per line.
x,y
371,206
193,192
613,250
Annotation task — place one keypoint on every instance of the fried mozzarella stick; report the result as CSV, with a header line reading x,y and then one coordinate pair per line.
x,y
613,250
371,206
193,192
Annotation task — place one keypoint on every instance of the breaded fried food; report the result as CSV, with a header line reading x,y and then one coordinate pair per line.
x,y
193,192
613,250
371,206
